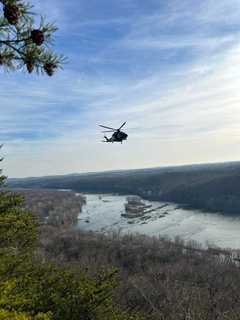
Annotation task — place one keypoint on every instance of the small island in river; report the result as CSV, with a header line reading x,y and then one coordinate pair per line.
x,y
135,207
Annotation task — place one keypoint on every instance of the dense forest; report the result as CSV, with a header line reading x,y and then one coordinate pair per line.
x,y
161,279
154,277
213,187
34,286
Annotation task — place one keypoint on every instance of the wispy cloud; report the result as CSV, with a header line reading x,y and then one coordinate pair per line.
x,y
170,69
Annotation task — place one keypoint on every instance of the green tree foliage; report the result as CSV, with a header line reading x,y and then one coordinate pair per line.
x,y
17,240
17,233
32,289
23,45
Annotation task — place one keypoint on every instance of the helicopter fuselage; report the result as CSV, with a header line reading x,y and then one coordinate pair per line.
x,y
117,136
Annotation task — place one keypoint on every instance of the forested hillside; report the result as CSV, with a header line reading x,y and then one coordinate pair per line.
x,y
164,280
158,278
59,208
213,187
32,285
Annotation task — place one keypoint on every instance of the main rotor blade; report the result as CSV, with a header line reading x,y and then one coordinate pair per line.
x,y
108,131
107,127
122,126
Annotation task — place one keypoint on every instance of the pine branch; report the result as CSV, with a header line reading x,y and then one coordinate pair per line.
x,y
24,46
6,42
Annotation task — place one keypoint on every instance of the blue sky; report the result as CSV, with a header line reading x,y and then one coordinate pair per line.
x,y
168,68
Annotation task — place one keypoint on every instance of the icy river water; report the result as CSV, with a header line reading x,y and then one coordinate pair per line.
x,y
103,213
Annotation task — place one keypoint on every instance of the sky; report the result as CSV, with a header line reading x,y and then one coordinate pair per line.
x,y
170,69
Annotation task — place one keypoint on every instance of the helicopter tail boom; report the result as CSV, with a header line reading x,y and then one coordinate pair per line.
x,y
106,139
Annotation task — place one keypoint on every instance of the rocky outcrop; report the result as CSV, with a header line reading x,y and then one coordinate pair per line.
x,y
135,207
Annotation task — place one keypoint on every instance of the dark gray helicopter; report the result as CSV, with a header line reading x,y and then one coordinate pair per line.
x,y
117,136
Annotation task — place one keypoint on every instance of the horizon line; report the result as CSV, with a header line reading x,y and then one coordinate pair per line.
x,y
127,170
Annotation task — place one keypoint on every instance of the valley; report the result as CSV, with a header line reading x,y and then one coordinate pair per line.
x,y
207,187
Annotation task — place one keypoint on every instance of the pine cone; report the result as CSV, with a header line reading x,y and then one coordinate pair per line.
x,y
49,68
30,66
11,13
37,37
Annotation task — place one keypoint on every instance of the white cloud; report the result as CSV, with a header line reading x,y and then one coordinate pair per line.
x,y
178,109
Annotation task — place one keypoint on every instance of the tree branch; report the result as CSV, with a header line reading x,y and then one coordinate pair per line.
x,y
6,42
14,48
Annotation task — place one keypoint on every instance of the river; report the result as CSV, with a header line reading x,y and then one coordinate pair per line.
x,y
102,213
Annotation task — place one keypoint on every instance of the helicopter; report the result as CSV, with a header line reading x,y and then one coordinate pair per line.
x,y
117,136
